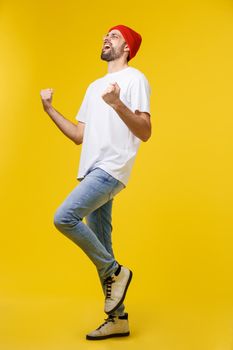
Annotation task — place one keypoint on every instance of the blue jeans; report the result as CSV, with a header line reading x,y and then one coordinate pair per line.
x,y
92,199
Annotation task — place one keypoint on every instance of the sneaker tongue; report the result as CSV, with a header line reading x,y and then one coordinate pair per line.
x,y
109,319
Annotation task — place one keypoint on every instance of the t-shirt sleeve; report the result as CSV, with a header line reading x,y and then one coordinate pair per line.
x,y
140,95
83,110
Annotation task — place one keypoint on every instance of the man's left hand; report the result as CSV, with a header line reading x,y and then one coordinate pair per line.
x,y
112,94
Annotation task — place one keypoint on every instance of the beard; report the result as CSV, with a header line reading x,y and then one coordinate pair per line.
x,y
112,53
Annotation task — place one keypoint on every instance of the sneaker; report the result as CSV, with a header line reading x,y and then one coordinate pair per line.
x,y
116,288
114,326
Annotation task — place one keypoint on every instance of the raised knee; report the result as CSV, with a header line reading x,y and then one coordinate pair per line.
x,y
62,219
58,219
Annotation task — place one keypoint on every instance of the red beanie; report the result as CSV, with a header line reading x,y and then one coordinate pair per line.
x,y
132,38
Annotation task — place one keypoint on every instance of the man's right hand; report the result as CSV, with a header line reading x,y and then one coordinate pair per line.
x,y
46,97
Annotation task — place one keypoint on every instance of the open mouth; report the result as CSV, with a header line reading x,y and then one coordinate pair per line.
x,y
106,47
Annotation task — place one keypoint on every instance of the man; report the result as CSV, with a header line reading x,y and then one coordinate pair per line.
x,y
113,119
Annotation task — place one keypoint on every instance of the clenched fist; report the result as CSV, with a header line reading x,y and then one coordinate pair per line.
x,y
112,94
46,97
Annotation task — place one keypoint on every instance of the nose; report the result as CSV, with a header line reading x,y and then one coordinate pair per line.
x,y
107,37
107,42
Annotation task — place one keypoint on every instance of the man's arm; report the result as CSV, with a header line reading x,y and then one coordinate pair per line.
x,y
138,122
72,131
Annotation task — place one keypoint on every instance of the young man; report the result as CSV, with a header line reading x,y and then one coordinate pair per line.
x,y
113,119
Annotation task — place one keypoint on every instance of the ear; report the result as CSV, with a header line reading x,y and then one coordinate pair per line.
x,y
126,48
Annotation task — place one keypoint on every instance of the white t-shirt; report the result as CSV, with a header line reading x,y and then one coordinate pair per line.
x,y
107,142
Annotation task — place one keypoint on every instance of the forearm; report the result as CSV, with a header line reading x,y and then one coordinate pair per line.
x,y
66,126
135,123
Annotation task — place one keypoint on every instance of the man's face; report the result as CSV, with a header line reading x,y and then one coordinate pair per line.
x,y
113,46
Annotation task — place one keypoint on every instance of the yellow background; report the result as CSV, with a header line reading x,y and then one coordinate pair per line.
x,y
173,223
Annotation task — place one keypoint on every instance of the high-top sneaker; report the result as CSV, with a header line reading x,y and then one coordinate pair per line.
x,y
115,288
114,326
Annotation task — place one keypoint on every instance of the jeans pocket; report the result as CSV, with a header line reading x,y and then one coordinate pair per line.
x,y
102,175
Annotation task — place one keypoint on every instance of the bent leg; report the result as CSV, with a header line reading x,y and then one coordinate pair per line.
x,y
93,191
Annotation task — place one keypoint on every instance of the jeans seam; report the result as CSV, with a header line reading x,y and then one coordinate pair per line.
x,y
100,226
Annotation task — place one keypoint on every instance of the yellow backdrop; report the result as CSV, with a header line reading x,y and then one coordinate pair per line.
x,y
173,223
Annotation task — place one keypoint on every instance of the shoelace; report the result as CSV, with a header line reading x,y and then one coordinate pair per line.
x,y
107,320
108,282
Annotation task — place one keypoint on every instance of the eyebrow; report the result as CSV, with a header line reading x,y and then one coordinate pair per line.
x,y
114,33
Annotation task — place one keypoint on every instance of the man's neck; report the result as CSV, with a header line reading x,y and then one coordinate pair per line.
x,y
115,66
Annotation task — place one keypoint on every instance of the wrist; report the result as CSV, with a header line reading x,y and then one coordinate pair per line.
x,y
115,105
48,108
